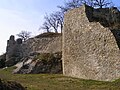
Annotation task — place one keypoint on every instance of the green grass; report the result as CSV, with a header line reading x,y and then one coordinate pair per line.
x,y
57,82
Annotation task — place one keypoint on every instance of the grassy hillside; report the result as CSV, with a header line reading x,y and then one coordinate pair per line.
x,y
57,82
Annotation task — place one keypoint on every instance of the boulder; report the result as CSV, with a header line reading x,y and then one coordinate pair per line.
x,y
10,85
2,60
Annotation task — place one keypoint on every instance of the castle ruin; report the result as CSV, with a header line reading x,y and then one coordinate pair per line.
x,y
13,51
90,44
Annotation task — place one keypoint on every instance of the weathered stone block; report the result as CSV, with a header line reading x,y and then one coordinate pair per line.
x,y
90,50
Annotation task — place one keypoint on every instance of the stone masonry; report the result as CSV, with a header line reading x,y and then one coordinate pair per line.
x,y
13,51
91,43
44,43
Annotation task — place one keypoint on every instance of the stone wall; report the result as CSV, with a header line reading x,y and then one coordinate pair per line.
x,y
90,49
43,43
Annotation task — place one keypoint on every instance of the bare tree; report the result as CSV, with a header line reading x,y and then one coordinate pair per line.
x,y
45,26
101,3
59,16
24,35
53,22
77,3
70,5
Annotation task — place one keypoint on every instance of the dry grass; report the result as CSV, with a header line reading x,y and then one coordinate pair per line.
x,y
48,34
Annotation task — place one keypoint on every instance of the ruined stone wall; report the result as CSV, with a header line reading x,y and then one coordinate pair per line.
x,y
13,51
90,50
43,44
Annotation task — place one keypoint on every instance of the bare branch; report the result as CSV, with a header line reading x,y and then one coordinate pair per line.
x,y
24,35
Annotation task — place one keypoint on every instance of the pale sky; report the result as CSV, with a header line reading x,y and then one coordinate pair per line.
x,y
18,15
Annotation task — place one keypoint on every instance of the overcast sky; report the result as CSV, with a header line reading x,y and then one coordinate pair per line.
x,y
17,15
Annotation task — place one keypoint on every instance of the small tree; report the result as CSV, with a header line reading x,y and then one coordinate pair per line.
x,y
60,18
52,21
24,35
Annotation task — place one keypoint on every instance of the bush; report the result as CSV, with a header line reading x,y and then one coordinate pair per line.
x,y
45,57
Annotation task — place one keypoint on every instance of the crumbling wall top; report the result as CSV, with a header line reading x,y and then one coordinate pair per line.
x,y
108,17
12,37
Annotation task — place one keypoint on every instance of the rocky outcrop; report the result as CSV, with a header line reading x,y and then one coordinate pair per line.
x,y
10,85
40,63
2,60
91,43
